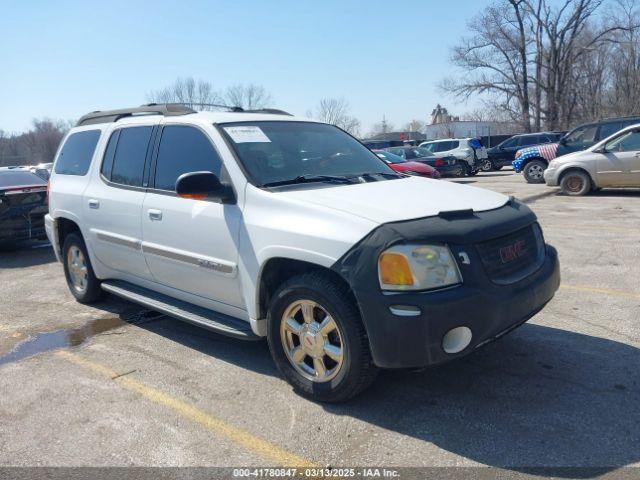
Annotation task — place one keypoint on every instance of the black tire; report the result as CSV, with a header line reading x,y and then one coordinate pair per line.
x,y
472,172
575,183
357,371
464,168
487,165
533,171
92,290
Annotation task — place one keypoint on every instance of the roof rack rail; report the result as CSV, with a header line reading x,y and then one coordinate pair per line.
x,y
273,111
108,116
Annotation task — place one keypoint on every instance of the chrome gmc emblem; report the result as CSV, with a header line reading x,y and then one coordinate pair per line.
x,y
512,252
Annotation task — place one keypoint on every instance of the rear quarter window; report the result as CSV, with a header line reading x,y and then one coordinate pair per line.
x,y
77,152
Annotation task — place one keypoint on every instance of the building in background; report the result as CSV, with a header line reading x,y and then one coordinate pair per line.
x,y
445,125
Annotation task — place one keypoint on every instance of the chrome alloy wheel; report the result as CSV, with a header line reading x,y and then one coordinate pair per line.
x,y
536,172
77,267
312,341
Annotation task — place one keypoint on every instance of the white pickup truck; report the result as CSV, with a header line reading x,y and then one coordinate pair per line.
x,y
260,224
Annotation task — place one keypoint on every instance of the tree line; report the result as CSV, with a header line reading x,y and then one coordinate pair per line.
x,y
38,145
550,65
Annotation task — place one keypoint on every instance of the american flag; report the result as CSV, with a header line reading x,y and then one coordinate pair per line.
x,y
546,151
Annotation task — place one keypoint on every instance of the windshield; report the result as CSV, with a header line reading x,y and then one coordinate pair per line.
x,y
273,152
390,157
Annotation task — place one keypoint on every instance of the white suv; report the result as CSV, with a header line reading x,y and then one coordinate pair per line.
x,y
261,224
462,150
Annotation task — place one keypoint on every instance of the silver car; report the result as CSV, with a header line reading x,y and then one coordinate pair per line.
x,y
613,162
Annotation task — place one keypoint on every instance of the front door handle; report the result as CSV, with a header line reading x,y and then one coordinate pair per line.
x,y
95,204
155,214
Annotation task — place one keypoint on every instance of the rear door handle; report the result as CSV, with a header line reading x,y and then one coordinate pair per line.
x,y
155,214
95,204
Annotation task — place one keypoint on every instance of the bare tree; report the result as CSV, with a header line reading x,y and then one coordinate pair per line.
x,y
248,97
414,126
495,59
544,61
196,94
336,111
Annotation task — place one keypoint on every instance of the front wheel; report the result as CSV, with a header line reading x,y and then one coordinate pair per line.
x,y
317,338
575,183
534,171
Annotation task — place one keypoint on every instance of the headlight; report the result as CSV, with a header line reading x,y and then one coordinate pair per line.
x,y
553,164
518,155
417,267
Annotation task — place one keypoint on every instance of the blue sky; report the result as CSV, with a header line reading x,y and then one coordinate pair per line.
x,y
62,59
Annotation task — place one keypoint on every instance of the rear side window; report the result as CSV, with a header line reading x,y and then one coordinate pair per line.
x,y
77,152
131,152
182,150
453,144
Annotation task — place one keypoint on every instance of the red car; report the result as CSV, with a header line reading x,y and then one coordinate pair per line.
x,y
399,164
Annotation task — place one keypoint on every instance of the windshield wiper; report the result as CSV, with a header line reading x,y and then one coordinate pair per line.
x,y
309,179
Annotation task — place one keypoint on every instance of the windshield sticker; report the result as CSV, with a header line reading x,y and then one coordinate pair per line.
x,y
247,134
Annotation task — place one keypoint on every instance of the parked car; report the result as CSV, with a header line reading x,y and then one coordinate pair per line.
x,y
43,170
399,164
461,149
23,204
445,165
613,162
267,225
504,153
532,161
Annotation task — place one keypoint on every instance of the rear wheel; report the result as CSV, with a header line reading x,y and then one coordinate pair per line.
x,y
487,165
533,171
317,339
575,183
78,271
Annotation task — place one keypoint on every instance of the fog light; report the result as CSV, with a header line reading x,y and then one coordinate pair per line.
x,y
456,339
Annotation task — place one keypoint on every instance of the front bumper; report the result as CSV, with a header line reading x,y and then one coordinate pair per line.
x,y
406,329
488,310
449,170
17,228
517,165
551,177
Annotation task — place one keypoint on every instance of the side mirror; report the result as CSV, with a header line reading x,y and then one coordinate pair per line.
x,y
203,185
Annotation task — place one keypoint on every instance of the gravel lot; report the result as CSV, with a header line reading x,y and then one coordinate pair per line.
x,y
115,384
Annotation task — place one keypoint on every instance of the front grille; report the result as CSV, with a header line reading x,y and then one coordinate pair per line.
x,y
512,257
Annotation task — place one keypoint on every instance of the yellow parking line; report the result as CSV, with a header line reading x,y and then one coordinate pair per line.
x,y
603,291
242,438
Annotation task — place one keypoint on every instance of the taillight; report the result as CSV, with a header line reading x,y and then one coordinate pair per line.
x,y
439,162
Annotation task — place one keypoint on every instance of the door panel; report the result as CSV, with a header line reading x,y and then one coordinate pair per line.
x,y
622,165
113,208
190,245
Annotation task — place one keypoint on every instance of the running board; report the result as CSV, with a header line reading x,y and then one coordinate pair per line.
x,y
202,317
